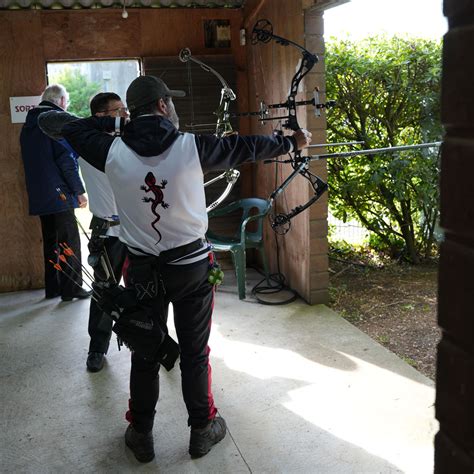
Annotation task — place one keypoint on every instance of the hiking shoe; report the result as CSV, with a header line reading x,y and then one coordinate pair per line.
x,y
95,361
141,444
203,439
80,294
50,296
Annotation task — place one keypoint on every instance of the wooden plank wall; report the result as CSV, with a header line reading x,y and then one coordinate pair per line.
x,y
22,72
303,250
28,40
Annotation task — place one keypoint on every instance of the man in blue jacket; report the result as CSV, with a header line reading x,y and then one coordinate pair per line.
x,y
51,172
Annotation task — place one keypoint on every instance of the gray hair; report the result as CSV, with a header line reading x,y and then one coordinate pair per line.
x,y
54,92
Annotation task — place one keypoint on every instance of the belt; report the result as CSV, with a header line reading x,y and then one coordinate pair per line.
x,y
173,254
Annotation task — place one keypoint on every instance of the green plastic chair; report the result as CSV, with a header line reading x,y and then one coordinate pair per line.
x,y
242,239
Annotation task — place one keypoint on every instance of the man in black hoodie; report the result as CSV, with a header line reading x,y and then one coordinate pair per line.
x,y
51,172
157,175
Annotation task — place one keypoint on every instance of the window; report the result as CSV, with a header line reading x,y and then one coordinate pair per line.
x,y
84,79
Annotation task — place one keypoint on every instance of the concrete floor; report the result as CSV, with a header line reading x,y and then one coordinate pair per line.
x,y
301,389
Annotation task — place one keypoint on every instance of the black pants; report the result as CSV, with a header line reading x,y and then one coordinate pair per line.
x,y
100,325
192,296
59,228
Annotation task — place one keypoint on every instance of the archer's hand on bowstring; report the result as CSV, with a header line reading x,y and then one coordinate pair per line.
x,y
303,138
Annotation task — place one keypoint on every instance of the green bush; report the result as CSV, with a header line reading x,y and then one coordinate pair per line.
x,y
388,94
79,88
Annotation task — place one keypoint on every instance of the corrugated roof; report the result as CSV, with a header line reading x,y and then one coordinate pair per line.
x,y
78,4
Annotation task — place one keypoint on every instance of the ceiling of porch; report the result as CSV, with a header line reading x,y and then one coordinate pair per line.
x,y
80,4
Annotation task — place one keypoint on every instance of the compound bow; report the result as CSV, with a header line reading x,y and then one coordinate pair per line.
x,y
263,33
223,126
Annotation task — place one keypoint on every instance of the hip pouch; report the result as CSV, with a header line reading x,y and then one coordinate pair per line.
x,y
138,313
140,331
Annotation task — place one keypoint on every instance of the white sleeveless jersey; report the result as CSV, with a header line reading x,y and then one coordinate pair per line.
x,y
160,199
101,197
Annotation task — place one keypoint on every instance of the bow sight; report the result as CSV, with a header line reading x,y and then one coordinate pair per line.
x,y
264,110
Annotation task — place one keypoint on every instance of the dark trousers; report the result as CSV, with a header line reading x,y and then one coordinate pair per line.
x,y
59,228
192,296
100,325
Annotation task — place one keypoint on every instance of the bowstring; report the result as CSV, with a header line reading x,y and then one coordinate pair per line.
x,y
282,205
190,89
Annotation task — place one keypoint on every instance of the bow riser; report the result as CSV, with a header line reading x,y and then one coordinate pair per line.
x,y
263,32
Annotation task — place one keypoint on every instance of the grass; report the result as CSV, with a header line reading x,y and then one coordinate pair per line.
x,y
410,361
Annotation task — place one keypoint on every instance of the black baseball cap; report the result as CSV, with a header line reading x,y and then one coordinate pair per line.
x,y
146,89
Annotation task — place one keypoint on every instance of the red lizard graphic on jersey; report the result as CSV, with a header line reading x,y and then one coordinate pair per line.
x,y
156,189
